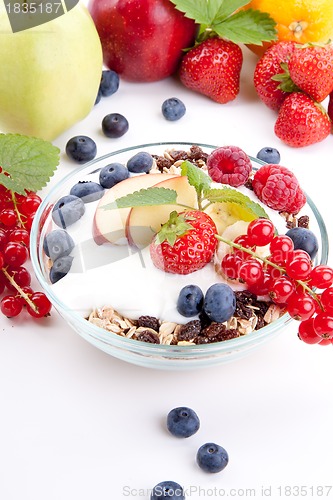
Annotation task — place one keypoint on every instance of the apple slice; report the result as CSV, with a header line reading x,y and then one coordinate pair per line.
x,y
143,222
109,225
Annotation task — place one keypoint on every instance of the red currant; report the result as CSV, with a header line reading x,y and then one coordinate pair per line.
x,y
323,325
21,277
280,247
321,277
10,306
260,232
42,303
3,238
230,265
306,332
21,235
261,287
8,217
325,342
301,306
281,289
243,241
15,254
251,272
298,266
29,204
326,299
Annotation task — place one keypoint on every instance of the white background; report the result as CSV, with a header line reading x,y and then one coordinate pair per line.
x,y
76,424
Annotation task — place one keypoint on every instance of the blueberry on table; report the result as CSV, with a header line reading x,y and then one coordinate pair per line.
x,y
111,174
219,302
211,457
109,82
81,149
140,163
169,490
58,243
190,301
304,239
67,210
269,155
114,125
182,422
60,268
173,109
88,191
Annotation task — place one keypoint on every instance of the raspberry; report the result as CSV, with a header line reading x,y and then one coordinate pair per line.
x,y
278,188
229,165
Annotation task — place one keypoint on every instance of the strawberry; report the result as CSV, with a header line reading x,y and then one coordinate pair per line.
x,y
213,68
311,69
268,89
186,243
301,121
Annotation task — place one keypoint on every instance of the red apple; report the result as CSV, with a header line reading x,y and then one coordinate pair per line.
x,y
142,40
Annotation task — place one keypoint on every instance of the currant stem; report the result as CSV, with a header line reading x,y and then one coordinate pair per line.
x,y
17,210
269,263
19,289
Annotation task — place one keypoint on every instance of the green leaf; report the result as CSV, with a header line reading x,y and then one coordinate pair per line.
x,y
197,10
175,227
226,8
233,196
144,197
248,26
196,177
286,83
29,161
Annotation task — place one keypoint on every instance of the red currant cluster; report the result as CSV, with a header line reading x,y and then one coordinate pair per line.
x,y
287,276
16,216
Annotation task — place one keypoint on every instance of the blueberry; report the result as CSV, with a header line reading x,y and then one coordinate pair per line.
x,y
190,301
60,268
81,148
212,457
173,109
169,490
304,239
219,302
140,163
269,155
98,97
88,191
114,125
182,422
67,210
111,174
58,243
109,82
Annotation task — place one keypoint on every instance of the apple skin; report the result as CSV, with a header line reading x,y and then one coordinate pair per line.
x,y
143,222
142,40
49,74
109,225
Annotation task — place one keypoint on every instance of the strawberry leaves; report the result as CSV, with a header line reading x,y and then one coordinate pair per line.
x,y
27,163
223,18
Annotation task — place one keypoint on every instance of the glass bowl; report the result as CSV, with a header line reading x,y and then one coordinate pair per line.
x,y
169,357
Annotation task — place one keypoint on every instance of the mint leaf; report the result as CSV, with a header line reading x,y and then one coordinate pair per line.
x,y
196,177
29,161
247,26
197,10
144,197
232,196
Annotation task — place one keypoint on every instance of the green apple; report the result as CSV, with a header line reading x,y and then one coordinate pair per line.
x,y
49,74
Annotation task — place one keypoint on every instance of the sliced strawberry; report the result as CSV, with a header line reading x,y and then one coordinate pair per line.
x,y
269,90
311,69
186,243
213,68
301,121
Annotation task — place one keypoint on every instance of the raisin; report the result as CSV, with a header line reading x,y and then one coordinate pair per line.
x,y
149,322
303,221
189,331
148,336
